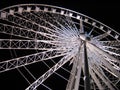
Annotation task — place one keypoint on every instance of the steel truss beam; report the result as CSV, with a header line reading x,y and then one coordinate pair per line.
x,y
26,60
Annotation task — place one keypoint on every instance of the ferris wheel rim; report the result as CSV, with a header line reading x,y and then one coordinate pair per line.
x,y
115,33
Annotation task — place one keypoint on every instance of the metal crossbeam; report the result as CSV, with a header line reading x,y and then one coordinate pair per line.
x,y
29,59
110,43
29,44
101,36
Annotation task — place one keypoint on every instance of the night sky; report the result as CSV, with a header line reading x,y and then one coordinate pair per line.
x,y
105,12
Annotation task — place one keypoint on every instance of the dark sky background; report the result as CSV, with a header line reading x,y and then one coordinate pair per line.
x,y
106,12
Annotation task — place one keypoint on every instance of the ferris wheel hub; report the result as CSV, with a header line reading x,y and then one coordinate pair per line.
x,y
85,37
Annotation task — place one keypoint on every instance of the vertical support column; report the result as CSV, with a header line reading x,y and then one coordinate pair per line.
x,y
74,78
86,68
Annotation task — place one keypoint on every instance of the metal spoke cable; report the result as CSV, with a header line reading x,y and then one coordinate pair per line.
x,y
21,72
29,74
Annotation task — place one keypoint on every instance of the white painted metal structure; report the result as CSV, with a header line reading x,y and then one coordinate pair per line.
x,y
58,32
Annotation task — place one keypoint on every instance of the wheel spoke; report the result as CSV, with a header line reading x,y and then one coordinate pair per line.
x,y
29,44
103,59
104,78
96,80
41,79
29,59
101,36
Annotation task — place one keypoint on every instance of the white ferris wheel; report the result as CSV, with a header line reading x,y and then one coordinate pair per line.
x,y
50,34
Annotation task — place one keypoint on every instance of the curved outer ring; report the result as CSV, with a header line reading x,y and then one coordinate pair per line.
x,y
70,13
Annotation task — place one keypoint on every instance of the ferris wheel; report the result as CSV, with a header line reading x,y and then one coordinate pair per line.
x,y
60,39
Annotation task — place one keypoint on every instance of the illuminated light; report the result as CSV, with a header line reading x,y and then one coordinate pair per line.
x,y
3,15
101,27
70,14
37,9
78,17
53,10
45,9
11,12
108,32
86,20
94,23
116,36
62,12
20,9
28,9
